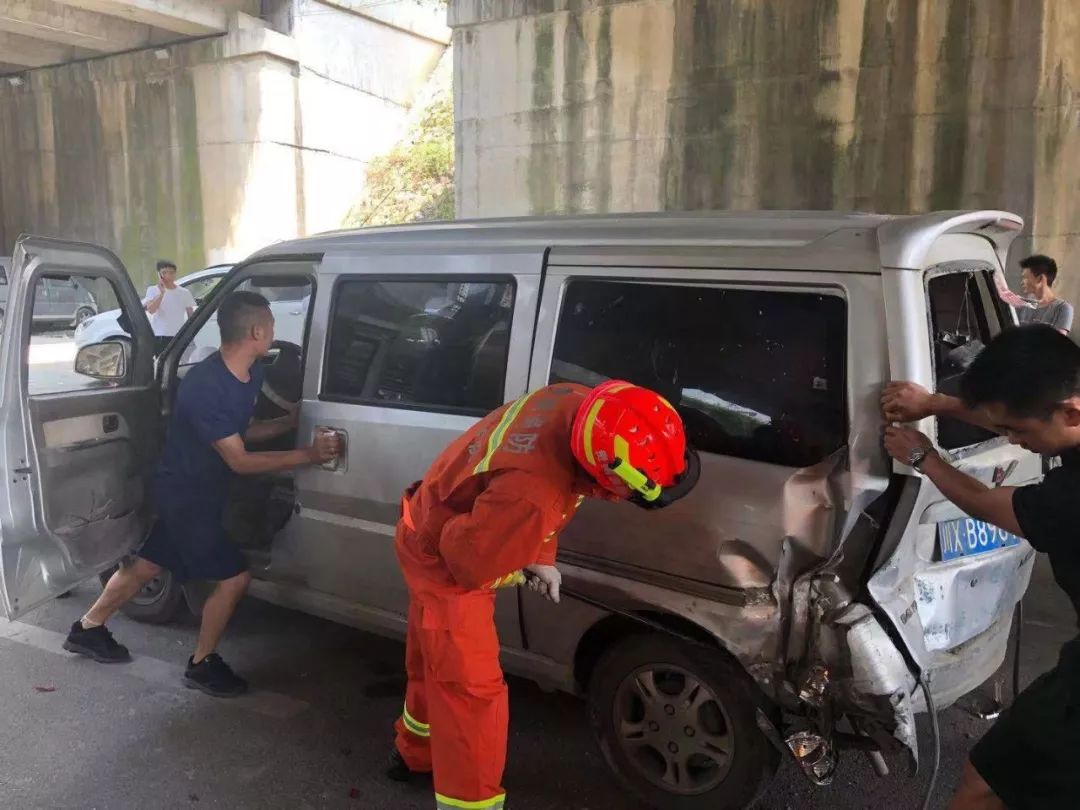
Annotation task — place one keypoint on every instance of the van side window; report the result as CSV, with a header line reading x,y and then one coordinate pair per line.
x,y
755,374
438,345
964,318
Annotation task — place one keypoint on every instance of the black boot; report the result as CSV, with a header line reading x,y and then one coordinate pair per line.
x,y
397,770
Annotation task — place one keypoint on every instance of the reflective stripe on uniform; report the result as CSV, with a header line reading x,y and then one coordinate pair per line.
x,y
513,579
590,420
499,433
414,725
406,515
446,803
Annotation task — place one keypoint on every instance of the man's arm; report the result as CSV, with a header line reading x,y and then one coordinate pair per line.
x,y
994,505
267,429
191,302
910,402
502,534
1064,320
152,303
241,462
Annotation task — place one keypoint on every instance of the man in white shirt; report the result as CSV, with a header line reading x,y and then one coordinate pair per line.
x,y
168,305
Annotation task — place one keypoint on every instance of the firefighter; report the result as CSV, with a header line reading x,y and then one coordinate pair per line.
x,y
486,516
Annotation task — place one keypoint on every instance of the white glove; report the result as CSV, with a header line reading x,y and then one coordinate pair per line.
x,y
545,580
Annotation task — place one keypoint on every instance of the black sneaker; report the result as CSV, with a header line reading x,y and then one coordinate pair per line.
x,y
213,676
96,643
397,770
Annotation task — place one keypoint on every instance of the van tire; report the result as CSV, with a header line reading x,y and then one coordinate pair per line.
x,y
158,602
727,701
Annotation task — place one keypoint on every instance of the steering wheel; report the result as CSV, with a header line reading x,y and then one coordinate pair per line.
x,y
284,372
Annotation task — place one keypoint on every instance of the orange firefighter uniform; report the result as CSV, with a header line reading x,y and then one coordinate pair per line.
x,y
492,504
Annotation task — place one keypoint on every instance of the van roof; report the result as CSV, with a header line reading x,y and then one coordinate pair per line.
x,y
901,240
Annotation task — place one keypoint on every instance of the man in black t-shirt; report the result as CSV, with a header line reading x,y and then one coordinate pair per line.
x,y
1025,385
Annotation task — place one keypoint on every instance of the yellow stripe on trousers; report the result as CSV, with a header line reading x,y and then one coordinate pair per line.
x,y
447,803
414,725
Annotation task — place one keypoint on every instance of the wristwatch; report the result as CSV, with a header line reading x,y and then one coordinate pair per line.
x,y
917,456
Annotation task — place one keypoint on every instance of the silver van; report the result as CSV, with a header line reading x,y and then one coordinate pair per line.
x,y
808,596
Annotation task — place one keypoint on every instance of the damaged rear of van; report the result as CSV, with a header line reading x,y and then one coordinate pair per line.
x,y
808,596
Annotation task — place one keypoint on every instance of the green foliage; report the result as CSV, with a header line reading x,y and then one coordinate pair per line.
x,y
415,180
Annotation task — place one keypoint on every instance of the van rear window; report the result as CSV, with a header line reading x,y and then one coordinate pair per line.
x,y
758,374
964,317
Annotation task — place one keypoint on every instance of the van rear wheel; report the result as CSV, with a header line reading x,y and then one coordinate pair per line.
x,y
677,725
159,601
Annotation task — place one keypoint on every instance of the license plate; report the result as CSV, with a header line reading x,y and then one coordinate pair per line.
x,y
967,536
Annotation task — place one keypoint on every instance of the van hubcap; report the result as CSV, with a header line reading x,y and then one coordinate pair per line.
x,y
674,728
152,591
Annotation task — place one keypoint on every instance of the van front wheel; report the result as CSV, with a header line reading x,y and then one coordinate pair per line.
x,y
159,601
677,725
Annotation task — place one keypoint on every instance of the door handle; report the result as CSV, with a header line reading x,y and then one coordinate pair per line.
x,y
341,463
110,423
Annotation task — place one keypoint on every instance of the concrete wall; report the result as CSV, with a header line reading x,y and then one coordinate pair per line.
x,y
878,105
208,150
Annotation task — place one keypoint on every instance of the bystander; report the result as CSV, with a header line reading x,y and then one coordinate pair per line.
x,y
167,305
1037,281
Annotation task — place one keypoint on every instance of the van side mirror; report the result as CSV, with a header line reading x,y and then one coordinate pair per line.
x,y
103,361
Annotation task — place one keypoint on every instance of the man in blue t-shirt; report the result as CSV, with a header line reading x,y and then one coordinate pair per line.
x,y
204,448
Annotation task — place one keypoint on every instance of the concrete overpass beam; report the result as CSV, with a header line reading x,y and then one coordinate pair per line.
x,y
185,17
28,52
67,25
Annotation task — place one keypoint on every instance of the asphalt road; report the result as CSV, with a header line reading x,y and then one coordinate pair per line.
x,y
76,734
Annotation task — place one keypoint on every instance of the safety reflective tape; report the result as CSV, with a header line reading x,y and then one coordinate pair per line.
x,y
414,725
590,420
515,578
406,515
634,478
446,803
497,435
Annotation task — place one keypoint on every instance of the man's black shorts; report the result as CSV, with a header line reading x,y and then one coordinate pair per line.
x,y
191,543
1031,756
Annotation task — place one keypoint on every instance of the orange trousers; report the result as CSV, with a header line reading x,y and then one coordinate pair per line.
x,y
456,711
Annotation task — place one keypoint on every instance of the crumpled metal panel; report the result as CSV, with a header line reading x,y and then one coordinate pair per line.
x,y
958,600
878,670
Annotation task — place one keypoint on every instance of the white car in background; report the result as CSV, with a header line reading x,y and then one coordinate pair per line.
x,y
106,325
288,304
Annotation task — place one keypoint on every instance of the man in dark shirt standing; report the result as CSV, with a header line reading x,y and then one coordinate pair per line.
x,y
211,419
1026,386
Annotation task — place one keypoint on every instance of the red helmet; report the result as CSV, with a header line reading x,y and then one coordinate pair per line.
x,y
626,434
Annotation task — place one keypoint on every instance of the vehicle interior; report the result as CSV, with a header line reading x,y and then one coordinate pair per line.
x,y
963,320
442,342
743,386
